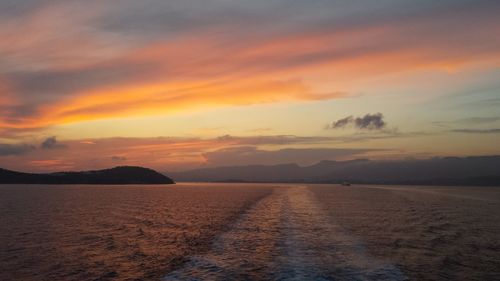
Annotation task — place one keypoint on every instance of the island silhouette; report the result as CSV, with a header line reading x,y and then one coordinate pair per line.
x,y
116,175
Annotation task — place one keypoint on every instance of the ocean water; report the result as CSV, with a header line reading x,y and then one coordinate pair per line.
x,y
249,232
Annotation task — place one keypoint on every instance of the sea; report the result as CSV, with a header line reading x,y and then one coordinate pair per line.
x,y
228,231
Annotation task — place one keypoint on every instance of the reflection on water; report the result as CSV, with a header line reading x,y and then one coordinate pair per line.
x,y
106,233
249,232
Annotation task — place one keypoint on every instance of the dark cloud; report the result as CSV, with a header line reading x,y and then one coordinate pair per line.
x,y
370,122
341,123
14,149
367,122
51,143
477,131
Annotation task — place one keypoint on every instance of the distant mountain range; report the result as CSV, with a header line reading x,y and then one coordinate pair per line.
x,y
117,175
479,170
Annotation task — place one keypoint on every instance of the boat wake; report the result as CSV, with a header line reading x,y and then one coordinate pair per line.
x,y
286,236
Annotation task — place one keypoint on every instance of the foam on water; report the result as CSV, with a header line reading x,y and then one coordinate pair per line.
x,y
287,236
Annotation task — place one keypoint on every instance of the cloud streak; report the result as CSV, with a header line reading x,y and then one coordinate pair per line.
x,y
14,149
477,131
166,153
478,120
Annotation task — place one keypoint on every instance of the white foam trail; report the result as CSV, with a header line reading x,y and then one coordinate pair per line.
x,y
318,248
287,236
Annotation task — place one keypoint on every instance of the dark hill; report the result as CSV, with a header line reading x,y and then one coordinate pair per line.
x,y
475,170
117,175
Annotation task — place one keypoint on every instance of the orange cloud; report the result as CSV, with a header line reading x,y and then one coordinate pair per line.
x,y
211,67
50,164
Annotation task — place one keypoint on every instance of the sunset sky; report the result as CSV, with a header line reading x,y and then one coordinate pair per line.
x,y
181,84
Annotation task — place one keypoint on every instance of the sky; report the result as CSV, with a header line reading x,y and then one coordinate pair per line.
x,y
182,84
